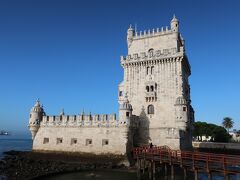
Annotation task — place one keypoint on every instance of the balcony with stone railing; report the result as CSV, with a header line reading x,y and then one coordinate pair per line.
x,y
155,54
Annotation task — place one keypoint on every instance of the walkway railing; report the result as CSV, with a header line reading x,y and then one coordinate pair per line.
x,y
188,160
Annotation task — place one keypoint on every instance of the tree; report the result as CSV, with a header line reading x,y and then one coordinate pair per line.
x,y
227,123
217,133
220,134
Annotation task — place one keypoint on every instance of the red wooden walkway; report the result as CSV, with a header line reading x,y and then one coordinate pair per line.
x,y
192,161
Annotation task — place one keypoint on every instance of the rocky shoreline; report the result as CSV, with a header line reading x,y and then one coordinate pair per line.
x,y
34,165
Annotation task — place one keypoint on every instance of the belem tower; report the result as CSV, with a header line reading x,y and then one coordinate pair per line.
x,y
154,103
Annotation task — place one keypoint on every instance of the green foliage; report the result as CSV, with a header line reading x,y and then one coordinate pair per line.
x,y
217,133
220,134
227,123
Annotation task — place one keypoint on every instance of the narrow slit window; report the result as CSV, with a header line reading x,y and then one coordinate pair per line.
x,y
152,69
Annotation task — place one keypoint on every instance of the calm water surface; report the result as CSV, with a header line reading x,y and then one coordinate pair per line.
x,y
8,143
120,175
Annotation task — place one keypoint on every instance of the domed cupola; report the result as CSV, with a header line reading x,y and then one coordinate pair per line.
x,y
174,24
36,114
130,35
126,105
125,110
181,101
37,107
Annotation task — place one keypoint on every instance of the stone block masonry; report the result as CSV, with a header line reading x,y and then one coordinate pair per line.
x,y
154,103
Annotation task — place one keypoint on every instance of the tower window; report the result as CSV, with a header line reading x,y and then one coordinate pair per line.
x,y
150,109
148,70
152,69
152,88
88,142
147,88
150,51
73,141
127,114
59,140
45,140
184,108
120,93
105,142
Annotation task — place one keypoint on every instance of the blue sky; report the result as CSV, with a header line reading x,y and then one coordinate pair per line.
x,y
67,54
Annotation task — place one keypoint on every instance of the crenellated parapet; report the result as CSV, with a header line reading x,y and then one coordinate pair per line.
x,y
83,120
153,32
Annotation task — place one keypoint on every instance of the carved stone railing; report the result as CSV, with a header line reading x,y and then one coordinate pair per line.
x,y
164,53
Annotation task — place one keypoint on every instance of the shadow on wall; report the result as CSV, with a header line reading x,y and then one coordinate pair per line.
x,y
138,134
185,140
142,137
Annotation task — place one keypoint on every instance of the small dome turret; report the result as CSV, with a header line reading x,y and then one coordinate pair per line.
x,y
36,114
130,35
37,107
174,24
125,105
180,101
125,110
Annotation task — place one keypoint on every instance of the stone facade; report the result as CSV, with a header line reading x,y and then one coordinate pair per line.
x,y
154,103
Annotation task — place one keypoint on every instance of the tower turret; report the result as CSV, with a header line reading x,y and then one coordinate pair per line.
x,y
174,24
130,35
125,111
36,115
181,107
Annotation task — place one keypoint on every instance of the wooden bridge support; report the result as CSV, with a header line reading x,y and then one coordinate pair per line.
x,y
153,170
209,175
227,176
195,174
150,170
165,170
138,169
172,172
184,173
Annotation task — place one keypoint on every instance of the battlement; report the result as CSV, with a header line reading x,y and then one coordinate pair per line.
x,y
153,54
82,120
151,33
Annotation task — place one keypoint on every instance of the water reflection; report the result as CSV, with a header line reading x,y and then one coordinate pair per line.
x,y
125,175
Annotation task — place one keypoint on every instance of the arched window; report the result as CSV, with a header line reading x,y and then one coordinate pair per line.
x,y
150,51
148,70
150,109
152,70
147,88
152,88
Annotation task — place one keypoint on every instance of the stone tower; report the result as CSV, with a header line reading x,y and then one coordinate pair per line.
x,y
36,115
156,72
125,111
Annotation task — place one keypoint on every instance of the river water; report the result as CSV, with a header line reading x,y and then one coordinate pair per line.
x,y
122,175
8,143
